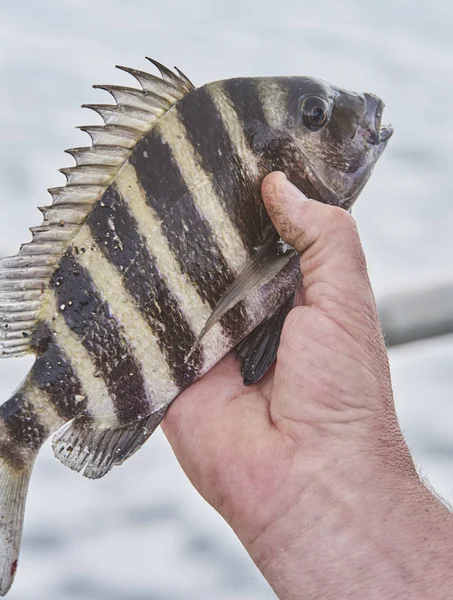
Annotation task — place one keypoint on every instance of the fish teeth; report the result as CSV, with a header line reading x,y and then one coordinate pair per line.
x,y
385,133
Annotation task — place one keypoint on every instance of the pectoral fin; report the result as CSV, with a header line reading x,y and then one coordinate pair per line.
x,y
259,349
265,264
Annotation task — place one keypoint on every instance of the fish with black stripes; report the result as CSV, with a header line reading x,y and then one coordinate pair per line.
x,y
157,258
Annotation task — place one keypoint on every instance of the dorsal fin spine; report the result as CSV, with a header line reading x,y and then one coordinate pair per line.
x,y
171,77
100,154
152,83
89,175
114,115
126,96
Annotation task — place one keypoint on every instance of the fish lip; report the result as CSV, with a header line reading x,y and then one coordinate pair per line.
x,y
375,132
385,133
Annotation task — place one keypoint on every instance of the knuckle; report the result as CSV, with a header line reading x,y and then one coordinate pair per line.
x,y
294,319
341,219
295,323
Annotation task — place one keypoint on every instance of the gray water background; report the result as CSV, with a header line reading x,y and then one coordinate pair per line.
x,y
142,532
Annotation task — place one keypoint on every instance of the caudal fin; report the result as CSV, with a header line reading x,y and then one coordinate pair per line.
x,y
13,491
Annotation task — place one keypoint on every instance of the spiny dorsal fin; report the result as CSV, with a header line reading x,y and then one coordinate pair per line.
x,y
24,277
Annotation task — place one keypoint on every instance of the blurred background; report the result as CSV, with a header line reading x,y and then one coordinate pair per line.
x,y
142,533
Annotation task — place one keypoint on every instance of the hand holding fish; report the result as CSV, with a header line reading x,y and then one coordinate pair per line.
x,y
309,466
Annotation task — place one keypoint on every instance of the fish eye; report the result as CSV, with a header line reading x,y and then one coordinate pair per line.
x,y
315,112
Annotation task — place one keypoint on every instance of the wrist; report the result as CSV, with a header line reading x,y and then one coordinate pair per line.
x,y
358,532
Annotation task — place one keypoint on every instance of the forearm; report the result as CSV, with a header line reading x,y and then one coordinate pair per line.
x,y
354,537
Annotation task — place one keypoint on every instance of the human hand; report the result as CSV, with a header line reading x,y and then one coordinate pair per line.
x,y
309,466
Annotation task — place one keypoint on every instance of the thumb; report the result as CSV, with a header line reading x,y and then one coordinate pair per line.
x,y
332,366
333,265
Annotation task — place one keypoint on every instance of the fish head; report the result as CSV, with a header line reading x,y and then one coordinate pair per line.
x,y
329,140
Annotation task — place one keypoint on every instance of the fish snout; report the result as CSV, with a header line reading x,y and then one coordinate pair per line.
x,y
375,132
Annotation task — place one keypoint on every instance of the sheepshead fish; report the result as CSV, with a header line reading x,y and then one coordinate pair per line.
x,y
157,258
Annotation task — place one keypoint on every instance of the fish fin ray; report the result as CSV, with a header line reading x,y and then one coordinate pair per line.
x,y
264,265
259,349
178,80
13,493
24,277
148,427
88,447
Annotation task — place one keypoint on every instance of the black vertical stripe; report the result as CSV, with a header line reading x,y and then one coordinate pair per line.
x,y
54,374
22,424
116,232
245,97
238,193
190,236
88,316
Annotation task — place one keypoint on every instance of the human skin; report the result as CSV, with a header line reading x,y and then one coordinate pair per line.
x,y
309,466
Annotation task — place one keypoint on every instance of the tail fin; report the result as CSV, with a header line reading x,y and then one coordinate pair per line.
x,y
21,436
13,491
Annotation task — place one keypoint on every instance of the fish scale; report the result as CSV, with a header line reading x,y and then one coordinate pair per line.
x,y
157,258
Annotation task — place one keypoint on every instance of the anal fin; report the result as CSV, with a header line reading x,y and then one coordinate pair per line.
x,y
87,446
259,349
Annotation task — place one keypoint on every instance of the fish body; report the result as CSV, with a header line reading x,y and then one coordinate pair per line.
x,y
157,258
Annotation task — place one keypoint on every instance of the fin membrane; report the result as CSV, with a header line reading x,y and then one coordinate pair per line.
x,y
84,445
259,349
13,492
264,265
24,277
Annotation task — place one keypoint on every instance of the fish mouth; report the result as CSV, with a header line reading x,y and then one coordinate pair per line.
x,y
375,132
